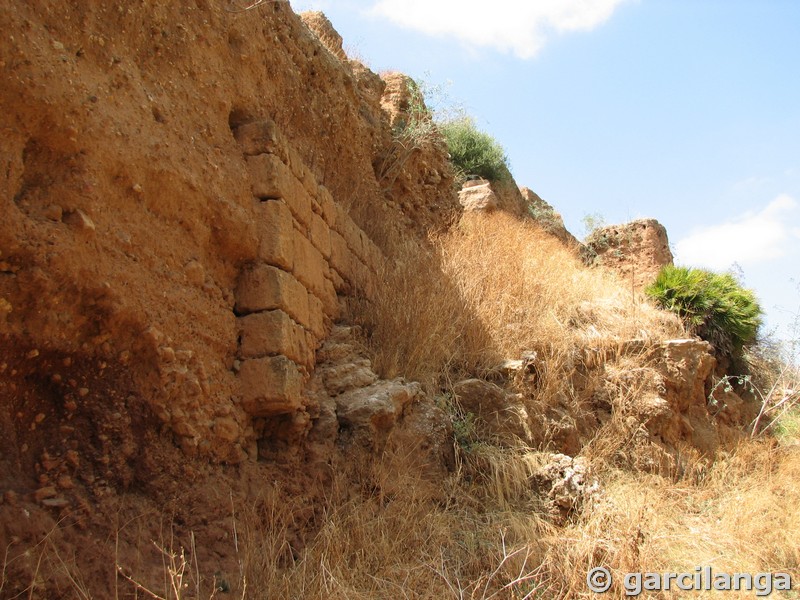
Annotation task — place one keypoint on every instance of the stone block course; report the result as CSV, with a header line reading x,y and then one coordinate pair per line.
x,y
261,137
272,179
269,176
316,312
339,284
270,386
276,233
310,267
264,287
341,257
320,235
352,235
327,205
272,333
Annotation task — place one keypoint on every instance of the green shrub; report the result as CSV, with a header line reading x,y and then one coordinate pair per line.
x,y
474,152
712,305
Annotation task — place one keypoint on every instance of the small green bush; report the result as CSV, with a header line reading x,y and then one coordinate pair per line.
x,y
474,152
712,305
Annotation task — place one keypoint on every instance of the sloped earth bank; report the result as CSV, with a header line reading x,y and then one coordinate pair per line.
x,y
190,195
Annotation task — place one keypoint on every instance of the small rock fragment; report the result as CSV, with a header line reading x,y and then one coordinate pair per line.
x,y
195,273
65,482
53,212
47,491
55,502
80,220
73,458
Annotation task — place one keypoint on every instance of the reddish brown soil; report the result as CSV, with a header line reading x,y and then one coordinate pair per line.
x,y
127,216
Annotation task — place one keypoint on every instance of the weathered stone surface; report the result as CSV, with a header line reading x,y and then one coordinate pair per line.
x,y
79,220
319,234
270,177
299,203
330,301
318,23
396,99
351,233
264,287
377,408
194,272
478,197
359,413
53,212
272,333
270,386
636,251
502,415
567,484
261,137
685,365
310,267
276,234
340,285
346,376
226,428
424,439
327,205
341,257
316,317
546,216
373,257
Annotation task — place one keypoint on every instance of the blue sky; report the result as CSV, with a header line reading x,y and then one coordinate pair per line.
x,y
687,111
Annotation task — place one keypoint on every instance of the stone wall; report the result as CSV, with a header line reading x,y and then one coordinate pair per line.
x,y
310,253
636,251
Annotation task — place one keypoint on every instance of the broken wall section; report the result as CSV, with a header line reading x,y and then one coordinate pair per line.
x,y
310,253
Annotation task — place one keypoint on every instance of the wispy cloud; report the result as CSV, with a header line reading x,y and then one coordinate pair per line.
x,y
518,26
747,240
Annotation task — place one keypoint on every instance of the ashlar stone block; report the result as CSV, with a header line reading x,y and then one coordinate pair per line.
x,y
264,287
272,333
270,386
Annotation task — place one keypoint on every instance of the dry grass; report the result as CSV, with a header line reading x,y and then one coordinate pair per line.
x,y
529,290
420,325
743,517
489,539
492,288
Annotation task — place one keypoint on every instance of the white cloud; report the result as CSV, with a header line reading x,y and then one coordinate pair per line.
x,y
747,240
518,26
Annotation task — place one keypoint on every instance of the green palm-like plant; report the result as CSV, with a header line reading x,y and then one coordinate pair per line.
x,y
712,305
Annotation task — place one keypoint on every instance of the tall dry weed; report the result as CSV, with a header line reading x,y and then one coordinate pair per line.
x,y
494,287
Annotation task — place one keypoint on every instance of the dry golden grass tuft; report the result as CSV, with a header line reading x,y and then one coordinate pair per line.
x,y
742,517
494,287
490,540
420,326
529,290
